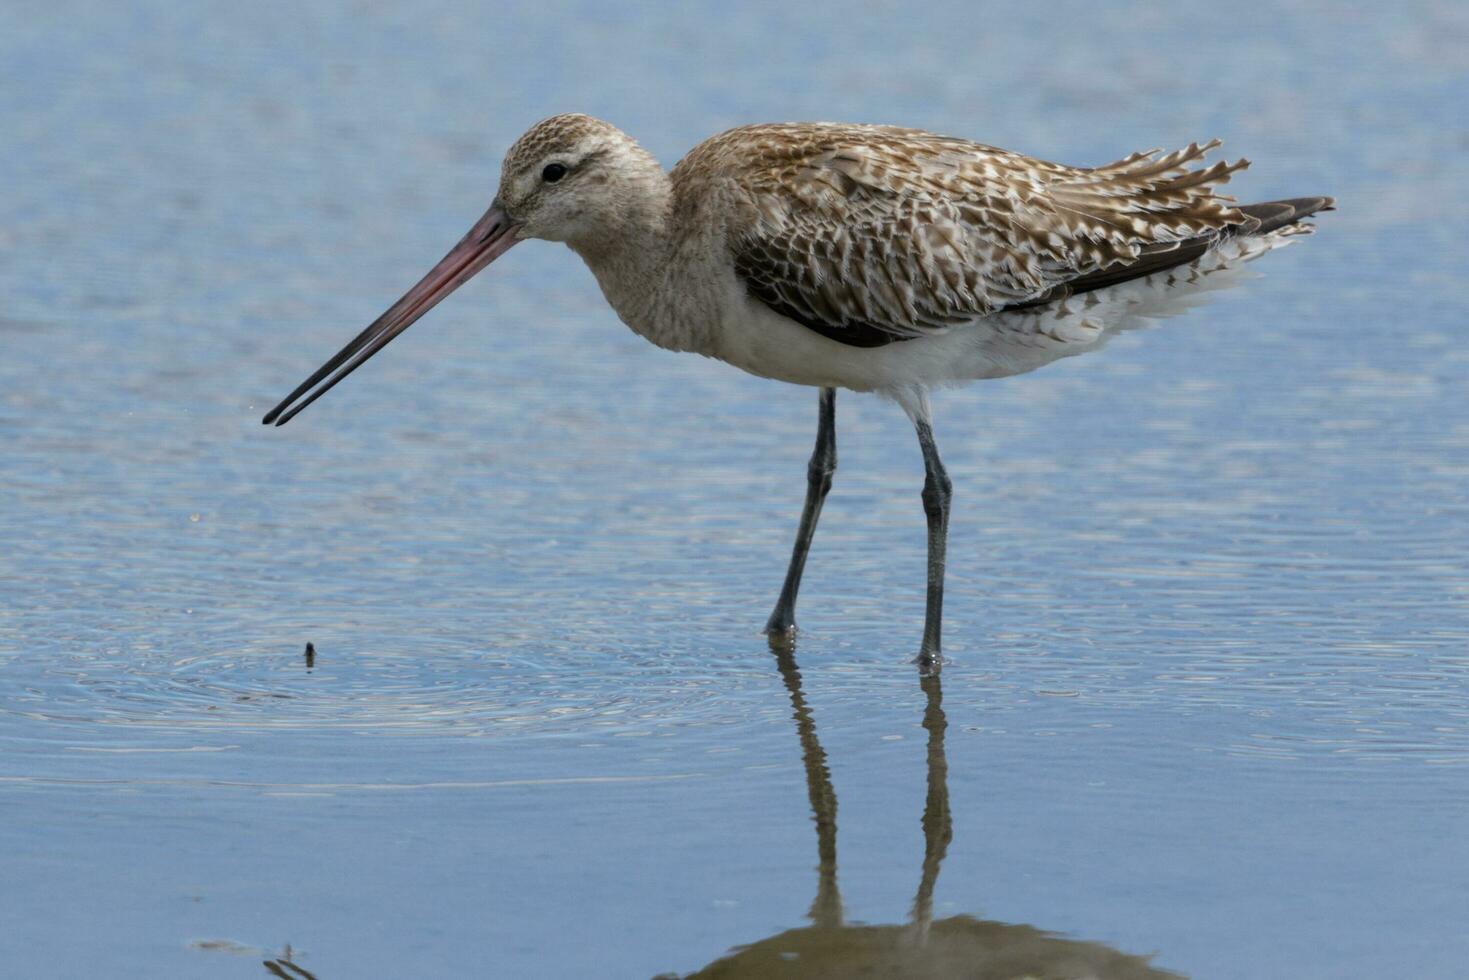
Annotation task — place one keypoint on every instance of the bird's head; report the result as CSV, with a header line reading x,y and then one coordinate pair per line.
x,y
574,179
570,178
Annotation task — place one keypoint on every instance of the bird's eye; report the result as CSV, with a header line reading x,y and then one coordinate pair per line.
x,y
553,172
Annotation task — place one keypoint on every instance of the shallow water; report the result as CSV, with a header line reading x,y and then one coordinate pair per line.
x,y
1207,612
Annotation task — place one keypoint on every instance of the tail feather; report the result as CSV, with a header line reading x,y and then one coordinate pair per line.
x,y
1267,216
1259,220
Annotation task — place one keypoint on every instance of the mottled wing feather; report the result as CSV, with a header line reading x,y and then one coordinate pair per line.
x,y
873,234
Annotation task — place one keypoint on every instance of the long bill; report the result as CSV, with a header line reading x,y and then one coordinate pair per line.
x,y
491,237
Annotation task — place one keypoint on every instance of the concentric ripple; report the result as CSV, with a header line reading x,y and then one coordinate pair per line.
x,y
444,692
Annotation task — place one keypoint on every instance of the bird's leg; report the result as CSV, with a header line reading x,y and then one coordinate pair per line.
x,y
818,482
937,492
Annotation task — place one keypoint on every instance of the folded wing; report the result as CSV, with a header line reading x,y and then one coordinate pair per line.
x,y
871,235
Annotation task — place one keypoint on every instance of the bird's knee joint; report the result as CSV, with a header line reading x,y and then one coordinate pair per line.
x,y
937,493
820,471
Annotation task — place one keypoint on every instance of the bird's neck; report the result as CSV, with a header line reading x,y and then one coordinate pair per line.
x,y
630,257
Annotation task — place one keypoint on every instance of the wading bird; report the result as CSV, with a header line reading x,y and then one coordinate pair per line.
x,y
871,258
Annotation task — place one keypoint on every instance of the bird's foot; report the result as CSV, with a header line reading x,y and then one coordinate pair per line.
x,y
930,662
782,617
781,634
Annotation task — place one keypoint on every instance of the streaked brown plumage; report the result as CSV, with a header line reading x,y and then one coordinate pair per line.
x,y
871,234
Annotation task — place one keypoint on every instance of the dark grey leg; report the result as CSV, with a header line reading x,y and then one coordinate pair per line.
x,y
937,492
818,482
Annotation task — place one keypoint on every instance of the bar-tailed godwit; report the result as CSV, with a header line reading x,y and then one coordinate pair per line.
x,y
871,258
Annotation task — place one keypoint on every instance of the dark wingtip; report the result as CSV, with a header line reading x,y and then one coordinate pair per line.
x,y
1271,215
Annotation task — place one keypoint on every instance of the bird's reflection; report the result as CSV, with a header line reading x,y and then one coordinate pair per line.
x,y
283,967
952,948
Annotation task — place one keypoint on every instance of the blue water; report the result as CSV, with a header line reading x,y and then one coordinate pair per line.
x,y
1208,606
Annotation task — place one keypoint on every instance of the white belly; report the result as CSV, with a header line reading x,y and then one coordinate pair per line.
x,y
754,338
